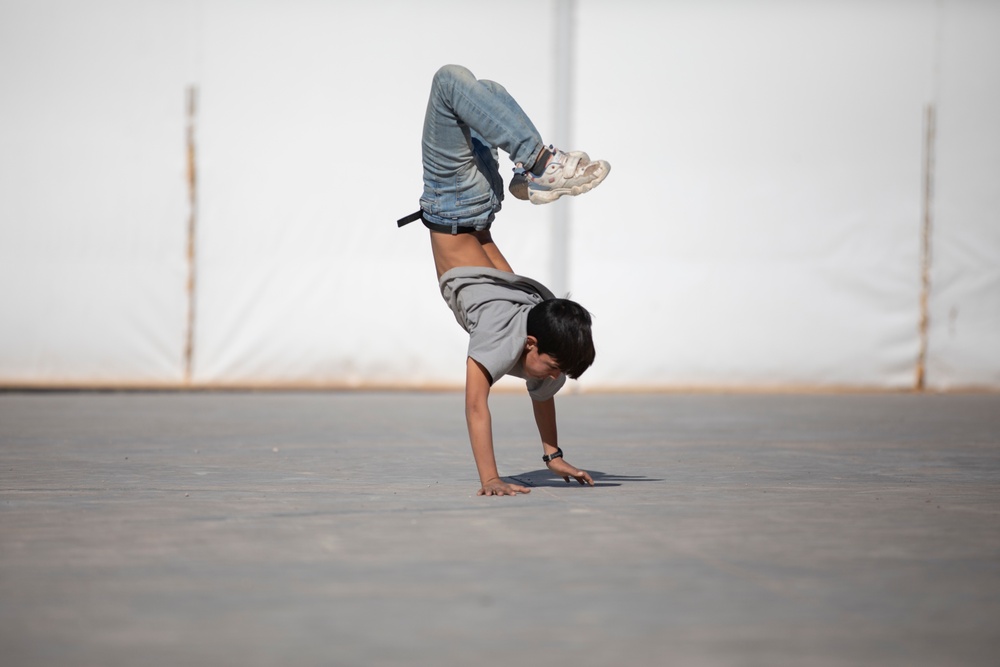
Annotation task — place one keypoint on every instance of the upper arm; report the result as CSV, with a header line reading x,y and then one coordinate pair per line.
x,y
477,384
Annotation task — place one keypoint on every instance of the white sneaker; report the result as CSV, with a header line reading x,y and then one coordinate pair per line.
x,y
570,173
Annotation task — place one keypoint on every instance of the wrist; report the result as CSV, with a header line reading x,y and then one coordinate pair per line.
x,y
549,458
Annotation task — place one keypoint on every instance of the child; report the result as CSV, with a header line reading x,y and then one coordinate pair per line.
x,y
516,326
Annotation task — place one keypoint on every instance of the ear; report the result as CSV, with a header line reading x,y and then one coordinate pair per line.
x,y
530,342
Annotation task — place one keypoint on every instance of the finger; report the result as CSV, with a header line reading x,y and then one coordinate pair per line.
x,y
585,478
566,479
481,492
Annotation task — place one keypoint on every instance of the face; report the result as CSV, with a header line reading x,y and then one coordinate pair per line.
x,y
536,365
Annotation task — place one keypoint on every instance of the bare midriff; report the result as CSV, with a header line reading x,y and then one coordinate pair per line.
x,y
471,249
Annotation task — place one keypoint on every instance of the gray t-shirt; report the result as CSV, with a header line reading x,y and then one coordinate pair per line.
x,y
492,306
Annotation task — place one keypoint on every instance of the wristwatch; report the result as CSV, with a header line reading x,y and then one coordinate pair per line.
x,y
557,455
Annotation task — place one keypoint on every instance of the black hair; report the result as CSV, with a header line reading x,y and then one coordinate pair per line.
x,y
562,329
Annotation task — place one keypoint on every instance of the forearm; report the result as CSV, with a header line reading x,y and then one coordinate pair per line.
x,y
477,417
545,420
479,421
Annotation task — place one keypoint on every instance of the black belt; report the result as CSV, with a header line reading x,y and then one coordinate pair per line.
x,y
410,218
446,229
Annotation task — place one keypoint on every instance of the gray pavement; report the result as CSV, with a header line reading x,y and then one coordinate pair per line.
x,y
343,529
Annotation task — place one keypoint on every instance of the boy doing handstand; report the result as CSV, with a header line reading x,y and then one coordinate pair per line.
x,y
516,326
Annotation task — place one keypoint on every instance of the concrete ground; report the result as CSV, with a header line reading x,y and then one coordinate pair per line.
x,y
343,529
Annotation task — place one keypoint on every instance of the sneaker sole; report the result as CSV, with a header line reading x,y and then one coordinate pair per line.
x,y
548,196
519,187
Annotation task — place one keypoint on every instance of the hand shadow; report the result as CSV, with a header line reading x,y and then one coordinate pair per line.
x,y
544,477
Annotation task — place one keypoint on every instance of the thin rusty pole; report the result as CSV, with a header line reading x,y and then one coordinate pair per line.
x,y
930,132
192,183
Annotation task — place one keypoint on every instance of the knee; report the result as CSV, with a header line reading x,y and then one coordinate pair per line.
x,y
451,73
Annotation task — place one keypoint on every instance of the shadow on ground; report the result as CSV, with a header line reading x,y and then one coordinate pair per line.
x,y
544,477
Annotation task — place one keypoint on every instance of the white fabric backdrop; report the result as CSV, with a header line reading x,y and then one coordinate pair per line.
x,y
92,195
776,155
761,226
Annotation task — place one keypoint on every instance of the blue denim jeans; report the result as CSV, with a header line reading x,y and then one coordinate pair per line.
x,y
467,120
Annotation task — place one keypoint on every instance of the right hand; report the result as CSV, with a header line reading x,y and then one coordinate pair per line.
x,y
498,487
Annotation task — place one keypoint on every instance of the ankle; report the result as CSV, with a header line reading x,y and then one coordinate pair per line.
x,y
541,162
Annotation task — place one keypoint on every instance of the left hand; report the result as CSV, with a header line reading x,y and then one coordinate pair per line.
x,y
564,469
498,487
